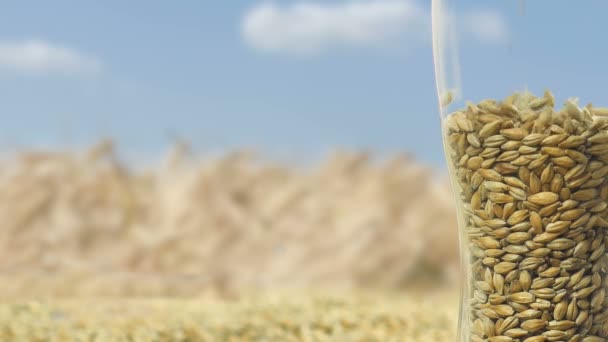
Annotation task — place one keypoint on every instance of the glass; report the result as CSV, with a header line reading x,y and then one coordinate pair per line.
x,y
528,163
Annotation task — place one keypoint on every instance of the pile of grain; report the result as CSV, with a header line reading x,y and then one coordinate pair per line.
x,y
532,179
232,222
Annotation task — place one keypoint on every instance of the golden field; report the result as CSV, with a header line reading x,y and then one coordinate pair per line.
x,y
311,317
230,248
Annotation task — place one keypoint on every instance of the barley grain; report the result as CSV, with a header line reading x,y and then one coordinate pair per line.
x,y
536,179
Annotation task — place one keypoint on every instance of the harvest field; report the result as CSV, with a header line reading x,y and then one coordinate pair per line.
x,y
311,317
232,248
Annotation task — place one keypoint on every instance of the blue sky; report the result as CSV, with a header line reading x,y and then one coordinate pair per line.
x,y
295,78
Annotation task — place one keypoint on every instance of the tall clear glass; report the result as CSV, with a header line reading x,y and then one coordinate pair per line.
x,y
528,162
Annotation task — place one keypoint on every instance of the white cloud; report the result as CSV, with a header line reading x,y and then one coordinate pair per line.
x,y
315,27
309,28
40,57
487,26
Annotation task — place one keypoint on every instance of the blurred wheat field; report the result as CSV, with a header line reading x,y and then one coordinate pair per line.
x,y
190,229
360,317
